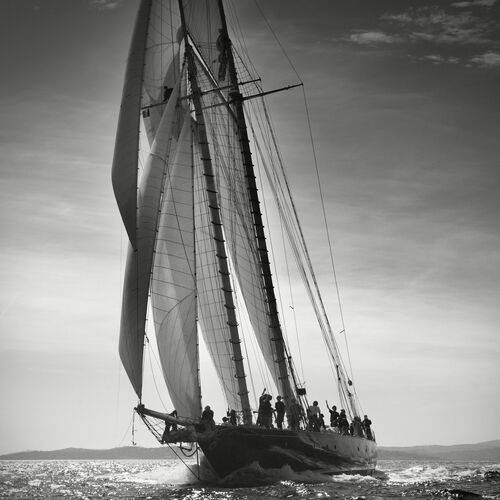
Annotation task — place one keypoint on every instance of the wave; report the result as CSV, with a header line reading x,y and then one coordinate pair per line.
x,y
443,473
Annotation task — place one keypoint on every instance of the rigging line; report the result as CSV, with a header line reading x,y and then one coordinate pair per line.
x,y
295,223
310,130
240,37
292,306
291,221
185,464
126,432
313,147
278,41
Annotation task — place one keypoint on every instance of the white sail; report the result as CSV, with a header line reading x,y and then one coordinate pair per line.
x,y
173,285
161,62
124,170
139,260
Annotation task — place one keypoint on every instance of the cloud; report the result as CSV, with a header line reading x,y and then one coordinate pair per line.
x,y
105,4
474,3
372,38
437,26
438,59
488,59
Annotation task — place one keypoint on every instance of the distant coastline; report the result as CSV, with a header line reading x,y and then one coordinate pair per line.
x,y
485,451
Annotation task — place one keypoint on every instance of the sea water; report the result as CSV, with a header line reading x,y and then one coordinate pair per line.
x,y
171,479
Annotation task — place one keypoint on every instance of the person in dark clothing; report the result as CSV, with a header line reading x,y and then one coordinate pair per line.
x,y
334,415
367,427
357,427
262,402
169,426
266,412
343,423
279,408
207,418
232,417
223,44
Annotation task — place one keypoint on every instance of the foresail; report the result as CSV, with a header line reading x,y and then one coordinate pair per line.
x,y
173,284
139,261
124,169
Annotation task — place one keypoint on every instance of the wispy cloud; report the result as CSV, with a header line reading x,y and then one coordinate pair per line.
x,y
438,26
372,38
438,59
105,4
474,3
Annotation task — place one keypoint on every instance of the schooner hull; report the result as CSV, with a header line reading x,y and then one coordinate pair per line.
x,y
228,449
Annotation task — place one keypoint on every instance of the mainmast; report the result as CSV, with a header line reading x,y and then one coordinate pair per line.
x,y
218,233
236,99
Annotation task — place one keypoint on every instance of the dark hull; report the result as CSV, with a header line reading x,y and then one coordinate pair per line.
x,y
230,448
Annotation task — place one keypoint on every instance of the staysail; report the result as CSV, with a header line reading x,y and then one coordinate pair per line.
x,y
173,284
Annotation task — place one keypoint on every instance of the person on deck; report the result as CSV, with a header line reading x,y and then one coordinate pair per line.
x,y
226,422
168,426
267,412
357,427
207,418
262,402
279,408
314,413
343,423
232,417
367,427
334,415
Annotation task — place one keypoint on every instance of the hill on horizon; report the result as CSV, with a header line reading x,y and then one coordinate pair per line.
x,y
485,451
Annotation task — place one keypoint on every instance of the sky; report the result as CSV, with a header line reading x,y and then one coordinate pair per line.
x,y
404,105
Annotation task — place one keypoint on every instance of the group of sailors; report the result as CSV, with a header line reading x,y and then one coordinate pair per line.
x,y
314,418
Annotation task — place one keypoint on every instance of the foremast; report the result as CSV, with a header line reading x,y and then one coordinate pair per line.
x,y
214,209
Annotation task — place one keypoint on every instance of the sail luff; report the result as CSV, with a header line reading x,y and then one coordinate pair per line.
x,y
276,334
221,254
126,153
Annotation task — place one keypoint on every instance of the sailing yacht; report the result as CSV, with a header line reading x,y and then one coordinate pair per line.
x,y
194,148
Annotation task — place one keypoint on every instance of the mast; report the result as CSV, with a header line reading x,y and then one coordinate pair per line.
x,y
263,255
218,233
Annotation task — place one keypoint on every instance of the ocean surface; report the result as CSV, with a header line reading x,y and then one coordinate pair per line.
x,y
171,479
